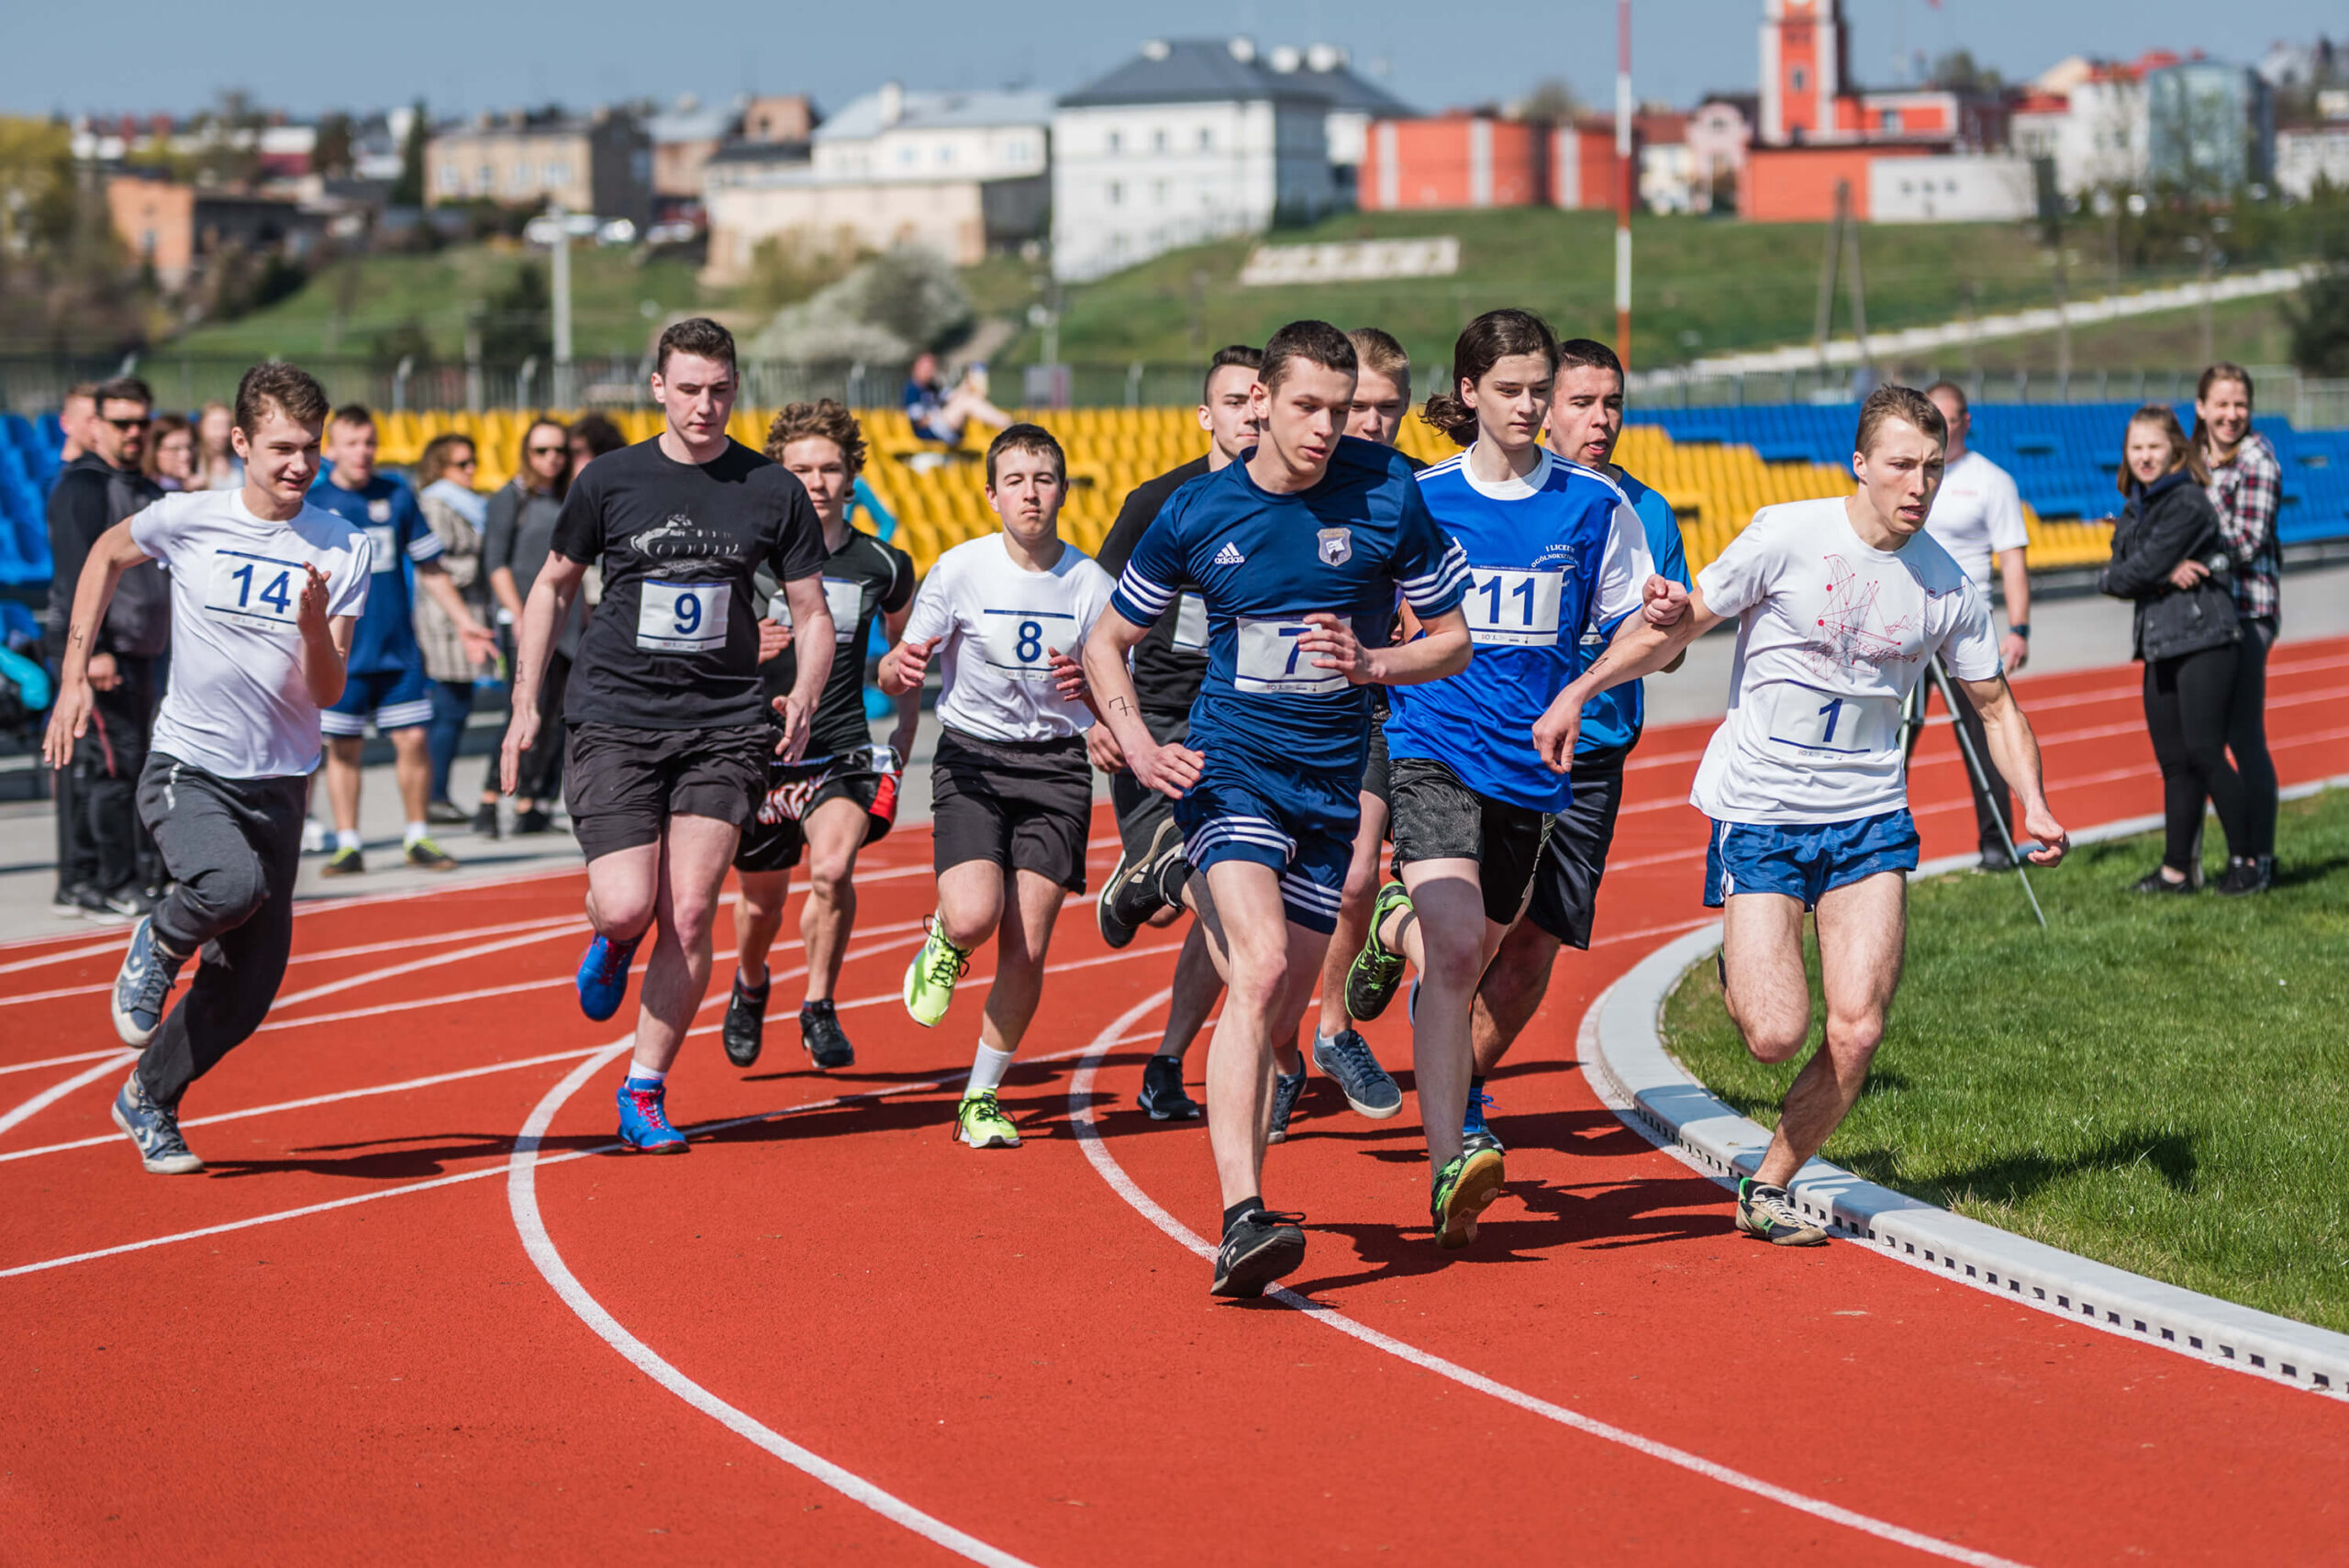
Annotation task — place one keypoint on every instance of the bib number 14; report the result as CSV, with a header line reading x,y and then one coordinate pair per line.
x,y
255,590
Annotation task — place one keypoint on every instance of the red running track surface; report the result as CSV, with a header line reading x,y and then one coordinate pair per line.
x,y
335,1345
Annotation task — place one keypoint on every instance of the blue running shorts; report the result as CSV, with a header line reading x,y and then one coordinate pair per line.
x,y
1805,860
1301,826
395,699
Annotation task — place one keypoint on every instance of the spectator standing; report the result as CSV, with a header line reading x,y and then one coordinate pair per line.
x,y
457,514
73,419
2246,486
520,531
171,454
218,466
592,436
2188,637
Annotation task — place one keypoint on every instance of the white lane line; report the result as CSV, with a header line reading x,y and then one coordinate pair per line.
x,y
59,1060
1080,1115
438,960
522,1197
57,1091
67,954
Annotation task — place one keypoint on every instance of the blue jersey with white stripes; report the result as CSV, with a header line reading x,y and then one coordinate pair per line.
x,y
386,511
1612,719
1546,554
1262,563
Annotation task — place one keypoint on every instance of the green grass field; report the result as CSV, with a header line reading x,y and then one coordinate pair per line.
x,y
2160,1085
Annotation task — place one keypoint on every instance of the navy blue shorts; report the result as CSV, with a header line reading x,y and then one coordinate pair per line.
x,y
1301,826
1805,860
395,699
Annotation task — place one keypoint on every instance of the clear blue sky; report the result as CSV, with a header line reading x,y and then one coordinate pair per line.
x,y
170,54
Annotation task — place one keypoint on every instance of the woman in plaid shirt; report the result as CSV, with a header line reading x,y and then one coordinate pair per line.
x,y
2246,486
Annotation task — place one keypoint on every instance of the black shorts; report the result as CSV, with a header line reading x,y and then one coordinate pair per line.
x,y
775,837
622,784
1377,771
1565,888
1140,809
1027,806
1437,818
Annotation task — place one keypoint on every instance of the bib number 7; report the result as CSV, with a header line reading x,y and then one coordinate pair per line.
x,y
683,618
1269,659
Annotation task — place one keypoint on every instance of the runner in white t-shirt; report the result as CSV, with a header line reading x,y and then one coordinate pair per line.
x,y
1839,604
1977,514
1011,788
265,590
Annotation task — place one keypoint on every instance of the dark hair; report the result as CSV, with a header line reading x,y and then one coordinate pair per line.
x,y
1026,438
1380,354
441,450
292,391
1315,342
522,475
2222,371
1484,343
1965,405
823,421
1591,353
1242,354
354,414
600,434
123,389
1904,403
2183,453
167,425
697,336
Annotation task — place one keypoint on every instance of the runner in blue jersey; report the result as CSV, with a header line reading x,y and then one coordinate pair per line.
x,y
1586,421
1297,550
1550,546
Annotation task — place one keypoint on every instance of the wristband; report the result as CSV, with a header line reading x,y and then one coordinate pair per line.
x,y
2021,629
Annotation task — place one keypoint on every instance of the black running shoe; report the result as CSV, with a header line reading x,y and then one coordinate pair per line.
x,y
485,819
2242,876
534,820
1130,896
1162,1096
819,1032
1285,1090
745,1030
2154,882
1258,1248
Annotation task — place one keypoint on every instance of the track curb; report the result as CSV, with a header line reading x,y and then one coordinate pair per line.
x,y
1624,1059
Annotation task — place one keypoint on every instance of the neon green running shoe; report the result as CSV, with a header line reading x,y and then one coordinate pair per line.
x,y
979,1121
1467,1183
1371,982
931,977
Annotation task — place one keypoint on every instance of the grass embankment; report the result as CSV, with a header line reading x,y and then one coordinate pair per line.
x,y
2162,1084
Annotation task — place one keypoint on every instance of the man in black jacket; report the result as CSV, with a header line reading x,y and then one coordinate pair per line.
x,y
104,859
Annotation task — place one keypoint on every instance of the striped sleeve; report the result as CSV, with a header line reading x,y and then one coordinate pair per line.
x,y
1430,566
423,544
1153,573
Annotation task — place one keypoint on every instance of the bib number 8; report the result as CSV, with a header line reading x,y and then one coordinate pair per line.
x,y
1020,641
683,618
1269,659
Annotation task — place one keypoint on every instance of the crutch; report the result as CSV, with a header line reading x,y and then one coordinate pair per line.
x,y
1982,782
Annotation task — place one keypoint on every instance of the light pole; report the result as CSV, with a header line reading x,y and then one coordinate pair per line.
x,y
1624,183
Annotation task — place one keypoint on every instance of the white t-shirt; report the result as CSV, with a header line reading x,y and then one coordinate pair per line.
x,y
1977,514
237,705
999,619
1832,635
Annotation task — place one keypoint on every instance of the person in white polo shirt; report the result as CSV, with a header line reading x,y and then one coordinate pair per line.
x,y
1977,514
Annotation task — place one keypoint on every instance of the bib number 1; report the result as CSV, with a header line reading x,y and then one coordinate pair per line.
x,y
1810,719
683,618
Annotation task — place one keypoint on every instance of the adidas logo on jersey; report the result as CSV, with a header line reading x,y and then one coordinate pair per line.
x,y
1229,555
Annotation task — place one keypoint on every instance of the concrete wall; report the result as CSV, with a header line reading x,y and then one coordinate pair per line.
x,y
1955,189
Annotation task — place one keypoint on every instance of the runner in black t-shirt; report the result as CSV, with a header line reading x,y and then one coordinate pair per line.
x,y
842,795
669,730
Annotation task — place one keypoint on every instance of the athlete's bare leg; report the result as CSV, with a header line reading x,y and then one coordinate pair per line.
x,y
411,770
1511,993
758,920
689,876
835,831
970,902
1268,966
1353,916
1198,987
1023,936
342,781
1445,935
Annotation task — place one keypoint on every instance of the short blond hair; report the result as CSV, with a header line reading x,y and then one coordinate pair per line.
x,y
1379,353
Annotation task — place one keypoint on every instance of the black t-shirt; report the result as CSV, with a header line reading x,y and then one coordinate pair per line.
x,y
1168,666
863,580
674,643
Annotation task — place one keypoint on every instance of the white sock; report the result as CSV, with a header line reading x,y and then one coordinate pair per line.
x,y
344,841
642,1075
988,1069
416,832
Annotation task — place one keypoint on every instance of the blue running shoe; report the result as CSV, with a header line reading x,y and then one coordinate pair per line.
x,y
1474,1133
144,984
644,1122
602,975
155,1129
1285,1090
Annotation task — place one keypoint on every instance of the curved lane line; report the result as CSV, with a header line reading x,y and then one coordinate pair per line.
x,y
57,1091
1080,1115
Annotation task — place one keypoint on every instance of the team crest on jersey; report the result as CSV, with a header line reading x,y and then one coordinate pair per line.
x,y
1337,546
379,510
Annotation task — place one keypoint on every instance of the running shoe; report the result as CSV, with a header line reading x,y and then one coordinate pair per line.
x,y
819,1032
1469,1181
1370,984
314,837
535,820
2154,882
979,1121
1366,1086
143,985
485,819
128,903
744,1032
445,814
2244,875
644,1119
602,975
1258,1248
1130,896
1995,859
96,906
426,855
1765,1212
66,904
344,862
1475,1131
1285,1090
1162,1096
931,977
155,1129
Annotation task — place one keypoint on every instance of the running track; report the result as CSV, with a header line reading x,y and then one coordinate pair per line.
x,y
390,1326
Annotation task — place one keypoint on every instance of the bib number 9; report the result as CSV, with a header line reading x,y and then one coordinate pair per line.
x,y
683,618
253,590
1020,642
1269,658
1810,719
1514,609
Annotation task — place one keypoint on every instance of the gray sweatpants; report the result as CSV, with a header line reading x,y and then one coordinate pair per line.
x,y
232,848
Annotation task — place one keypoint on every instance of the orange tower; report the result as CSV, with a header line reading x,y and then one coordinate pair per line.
x,y
1803,69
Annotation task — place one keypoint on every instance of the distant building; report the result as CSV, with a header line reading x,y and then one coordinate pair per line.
x,y
2210,127
2308,154
1454,161
175,228
1719,132
1953,188
683,136
961,173
599,163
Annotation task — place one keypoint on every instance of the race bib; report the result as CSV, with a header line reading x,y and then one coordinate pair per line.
x,y
1017,640
257,591
1808,719
383,546
1190,623
1517,609
1270,658
683,618
844,599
